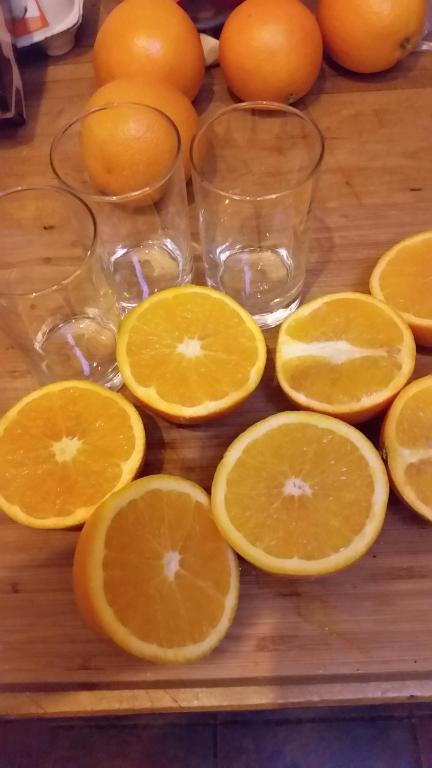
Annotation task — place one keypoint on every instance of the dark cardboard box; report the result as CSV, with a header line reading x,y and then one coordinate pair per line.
x,y
11,90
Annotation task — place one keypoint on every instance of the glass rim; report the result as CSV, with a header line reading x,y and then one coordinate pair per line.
x,y
100,197
249,105
67,193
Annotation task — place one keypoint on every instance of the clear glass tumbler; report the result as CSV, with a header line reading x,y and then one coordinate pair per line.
x,y
54,300
144,232
253,169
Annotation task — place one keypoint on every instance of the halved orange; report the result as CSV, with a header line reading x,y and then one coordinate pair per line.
x,y
407,442
344,354
402,277
300,494
190,353
152,572
63,449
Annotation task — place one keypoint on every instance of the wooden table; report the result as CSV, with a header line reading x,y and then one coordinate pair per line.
x,y
364,635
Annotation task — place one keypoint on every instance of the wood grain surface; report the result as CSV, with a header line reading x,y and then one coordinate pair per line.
x,y
362,635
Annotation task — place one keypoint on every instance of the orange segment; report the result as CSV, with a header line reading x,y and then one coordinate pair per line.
x,y
344,354
63,449
153,573
190,353
300,493
407,441
402,278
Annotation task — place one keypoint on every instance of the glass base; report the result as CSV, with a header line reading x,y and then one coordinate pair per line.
x,y
267,281
272,319
82,347
114,381
136,273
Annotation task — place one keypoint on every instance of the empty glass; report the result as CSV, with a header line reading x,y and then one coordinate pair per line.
x,y
145,232
54,299
253,170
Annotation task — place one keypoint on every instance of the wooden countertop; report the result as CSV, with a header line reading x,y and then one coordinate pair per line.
x,y
364,635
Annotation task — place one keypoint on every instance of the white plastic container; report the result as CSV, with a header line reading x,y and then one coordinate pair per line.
x,y
55,23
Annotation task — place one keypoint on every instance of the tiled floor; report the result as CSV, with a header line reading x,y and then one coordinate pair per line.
x,y
399,737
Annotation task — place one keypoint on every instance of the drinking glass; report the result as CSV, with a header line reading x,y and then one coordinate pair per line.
x,y
145,232
425,44
54,300
253,169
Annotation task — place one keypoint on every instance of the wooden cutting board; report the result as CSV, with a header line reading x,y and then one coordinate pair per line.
x,y
362,635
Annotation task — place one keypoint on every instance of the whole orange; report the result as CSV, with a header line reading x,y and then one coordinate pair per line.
x,y
127,148
154,38
370,35
270,49
155,93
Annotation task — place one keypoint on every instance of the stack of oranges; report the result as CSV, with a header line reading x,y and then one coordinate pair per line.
x,y
145,53
269,49
151,53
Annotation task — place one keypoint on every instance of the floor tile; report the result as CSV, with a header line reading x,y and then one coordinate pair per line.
x,y
421,708
333,744
25,744
8,735
423,726
188,746
146,719
318,713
